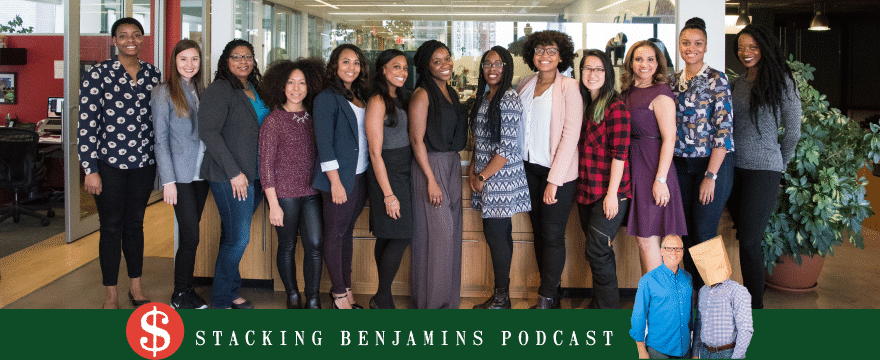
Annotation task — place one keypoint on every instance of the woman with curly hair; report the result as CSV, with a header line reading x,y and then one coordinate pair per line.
x,y
230,115
552,116
287,165
656,209
390,179
765,98
704,124
343,159
437,132
496,174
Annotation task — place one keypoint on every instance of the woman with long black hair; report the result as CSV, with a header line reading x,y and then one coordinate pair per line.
x,y
390,179
496,175
603,187
343,160
765,98
437,132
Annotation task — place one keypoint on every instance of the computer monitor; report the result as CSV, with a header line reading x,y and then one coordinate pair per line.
x,y
56,107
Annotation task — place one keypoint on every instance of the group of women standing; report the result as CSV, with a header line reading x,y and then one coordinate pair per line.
x,y
319,140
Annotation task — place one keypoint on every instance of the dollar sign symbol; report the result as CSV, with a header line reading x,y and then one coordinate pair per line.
x,y
155,330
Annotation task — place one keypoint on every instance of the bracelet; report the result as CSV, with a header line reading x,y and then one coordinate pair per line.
x,y
388,196
392,203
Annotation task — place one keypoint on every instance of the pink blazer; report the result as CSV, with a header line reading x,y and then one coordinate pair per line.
x,y
565,126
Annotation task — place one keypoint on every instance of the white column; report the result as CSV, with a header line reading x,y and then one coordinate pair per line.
x,y
712,12
222,29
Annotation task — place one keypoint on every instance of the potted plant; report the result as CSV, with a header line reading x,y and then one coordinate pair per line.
x,y
822,204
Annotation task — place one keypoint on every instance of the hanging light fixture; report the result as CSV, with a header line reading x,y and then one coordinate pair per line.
x,y
743,19
820,21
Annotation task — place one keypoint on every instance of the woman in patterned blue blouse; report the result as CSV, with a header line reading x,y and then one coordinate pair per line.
x,y
704,123
497,176
116,152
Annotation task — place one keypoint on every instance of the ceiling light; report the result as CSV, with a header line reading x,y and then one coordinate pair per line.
x,y
820,22
324,3
743,18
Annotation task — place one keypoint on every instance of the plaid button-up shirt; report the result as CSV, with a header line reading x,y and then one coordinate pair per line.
x,y
724,316
599,145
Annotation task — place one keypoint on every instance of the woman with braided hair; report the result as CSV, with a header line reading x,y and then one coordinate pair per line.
x,y
437,132
765,98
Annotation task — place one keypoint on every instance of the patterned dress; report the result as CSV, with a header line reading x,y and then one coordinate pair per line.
x,y
506,192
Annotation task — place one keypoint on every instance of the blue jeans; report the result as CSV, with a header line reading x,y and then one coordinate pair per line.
x,y
702,220
235,216
705,354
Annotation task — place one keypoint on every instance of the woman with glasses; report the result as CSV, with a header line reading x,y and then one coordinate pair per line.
x,y
230,115
496,174
552,117
603,188
703,148
437,132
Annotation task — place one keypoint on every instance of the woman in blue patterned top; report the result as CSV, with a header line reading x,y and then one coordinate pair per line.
x,y
704,123
116,152
497,177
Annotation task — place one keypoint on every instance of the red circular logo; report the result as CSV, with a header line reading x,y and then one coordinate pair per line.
x,y
154,331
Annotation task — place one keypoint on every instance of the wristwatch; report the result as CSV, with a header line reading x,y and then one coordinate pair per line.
x,y
711,176
481,177
661,180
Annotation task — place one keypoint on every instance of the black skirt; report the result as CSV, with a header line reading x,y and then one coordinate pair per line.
x,y
397,165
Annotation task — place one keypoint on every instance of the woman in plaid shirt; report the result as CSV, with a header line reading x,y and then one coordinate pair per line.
x,y
603,187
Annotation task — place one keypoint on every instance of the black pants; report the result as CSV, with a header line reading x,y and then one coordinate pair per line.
x,y
599,233
500,241
121,206
190,203
752,201
301,214
548,226
702,220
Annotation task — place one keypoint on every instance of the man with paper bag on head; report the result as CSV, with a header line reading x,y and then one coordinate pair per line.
x,y
723,328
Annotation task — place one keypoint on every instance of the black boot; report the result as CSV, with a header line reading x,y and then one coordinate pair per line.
x,y
294,301
313,302
499,300
546,303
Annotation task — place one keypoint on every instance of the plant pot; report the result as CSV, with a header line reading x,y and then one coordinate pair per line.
x,y
789,276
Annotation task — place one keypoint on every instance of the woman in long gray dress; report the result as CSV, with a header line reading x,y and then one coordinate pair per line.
x,y
437,132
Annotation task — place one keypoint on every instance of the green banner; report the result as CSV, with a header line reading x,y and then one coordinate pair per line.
x,y
394,334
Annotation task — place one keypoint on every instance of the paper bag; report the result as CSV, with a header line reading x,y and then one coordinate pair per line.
x,y
711,260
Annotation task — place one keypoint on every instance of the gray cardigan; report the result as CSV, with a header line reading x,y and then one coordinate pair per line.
x,y
228,126
177,139
759,148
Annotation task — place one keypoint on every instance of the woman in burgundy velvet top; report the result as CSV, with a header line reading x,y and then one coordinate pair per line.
x,y
287,165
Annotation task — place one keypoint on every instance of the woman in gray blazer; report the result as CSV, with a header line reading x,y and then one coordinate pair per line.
x,y
343,159
179,153
230,116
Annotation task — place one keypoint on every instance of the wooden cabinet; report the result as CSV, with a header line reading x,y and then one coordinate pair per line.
x,y
476,274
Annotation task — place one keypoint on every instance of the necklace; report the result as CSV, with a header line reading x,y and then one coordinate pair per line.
x,y
645,85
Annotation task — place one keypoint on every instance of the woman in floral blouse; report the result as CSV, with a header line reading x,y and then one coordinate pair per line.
x,y
116,153
705,135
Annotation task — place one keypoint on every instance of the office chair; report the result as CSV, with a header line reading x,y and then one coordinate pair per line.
x,y
20,170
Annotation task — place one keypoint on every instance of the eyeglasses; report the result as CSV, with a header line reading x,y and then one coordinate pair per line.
x,y
675,249
549,51
498,65
589,70
241,57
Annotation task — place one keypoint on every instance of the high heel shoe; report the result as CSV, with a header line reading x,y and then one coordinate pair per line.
x,y
373,304
313,303
294,301
333,299
354,305
137,303
499,300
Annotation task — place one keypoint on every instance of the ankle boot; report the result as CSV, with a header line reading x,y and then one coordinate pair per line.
x,y
294,301
545,303
313,302
499,300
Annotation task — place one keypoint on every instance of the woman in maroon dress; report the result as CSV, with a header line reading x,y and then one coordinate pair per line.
x,y
656,209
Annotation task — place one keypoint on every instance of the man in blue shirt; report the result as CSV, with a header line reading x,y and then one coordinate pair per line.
x,y
663,306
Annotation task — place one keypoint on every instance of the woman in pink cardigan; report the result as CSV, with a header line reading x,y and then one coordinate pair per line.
x,y
552,115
